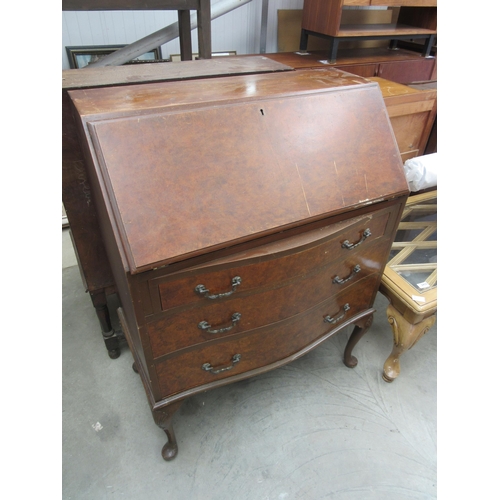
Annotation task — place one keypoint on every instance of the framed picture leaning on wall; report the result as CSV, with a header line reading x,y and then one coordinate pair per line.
x,y
81,56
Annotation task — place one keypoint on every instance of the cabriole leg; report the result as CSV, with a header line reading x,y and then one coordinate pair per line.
x,y
360,329
163,419
406,336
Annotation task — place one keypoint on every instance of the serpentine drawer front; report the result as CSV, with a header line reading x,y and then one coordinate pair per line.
x,y
246,220
246,310
265,272
282,339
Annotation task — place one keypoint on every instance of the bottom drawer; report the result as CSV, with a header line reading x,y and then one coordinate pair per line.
x,y
263,346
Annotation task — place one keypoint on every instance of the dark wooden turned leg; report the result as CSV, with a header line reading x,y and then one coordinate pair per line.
x,y
360,329
101,307
163,419
204,30
184,17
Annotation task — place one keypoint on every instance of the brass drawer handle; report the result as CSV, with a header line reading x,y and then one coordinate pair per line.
x,y
339,281
201,290
333,320
209,368
350,246
204,325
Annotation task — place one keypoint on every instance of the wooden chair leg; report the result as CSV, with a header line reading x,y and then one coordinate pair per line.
x,y
406,336
184,18
111,341
204,30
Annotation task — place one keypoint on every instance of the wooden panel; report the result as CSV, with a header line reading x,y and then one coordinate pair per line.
x,y
412,112
83,5
289,26
409,131
407,71
76,190
322,17
258,149
290,22
407,109
180,329
158,72
425,17
357,2
399,3
258,269
348,57
382,30
409,154
79,204
365,70
184,371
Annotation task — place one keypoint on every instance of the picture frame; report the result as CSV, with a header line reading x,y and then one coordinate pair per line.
x,y
81,56
177,57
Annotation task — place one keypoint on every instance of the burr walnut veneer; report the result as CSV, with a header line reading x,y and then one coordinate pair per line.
x,y
246,219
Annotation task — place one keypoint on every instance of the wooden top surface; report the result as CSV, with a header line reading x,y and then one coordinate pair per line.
x,y
117,101
368,30
315,59
168,71
392,89
191,167
409,299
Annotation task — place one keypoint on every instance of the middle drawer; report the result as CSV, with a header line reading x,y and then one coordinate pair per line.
x,y
198,324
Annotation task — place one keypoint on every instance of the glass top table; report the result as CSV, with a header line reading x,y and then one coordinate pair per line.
x,y
410,277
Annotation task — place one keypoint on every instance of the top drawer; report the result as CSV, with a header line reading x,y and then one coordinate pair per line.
x,y
257,268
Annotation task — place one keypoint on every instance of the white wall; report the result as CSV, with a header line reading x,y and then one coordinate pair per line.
x,y
237,30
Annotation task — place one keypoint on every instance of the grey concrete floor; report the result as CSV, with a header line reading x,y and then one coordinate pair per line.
x,y
311,430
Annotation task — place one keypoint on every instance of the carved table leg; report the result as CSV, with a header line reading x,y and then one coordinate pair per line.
x,y
163,419
111,341
406,336
360,329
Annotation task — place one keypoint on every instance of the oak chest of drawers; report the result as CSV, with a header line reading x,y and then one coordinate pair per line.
x,y
246,219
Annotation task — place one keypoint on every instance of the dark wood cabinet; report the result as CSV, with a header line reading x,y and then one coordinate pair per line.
x,y
399,66
246,220
416,19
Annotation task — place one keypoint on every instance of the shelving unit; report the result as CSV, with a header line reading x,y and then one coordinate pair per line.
x,y
417,19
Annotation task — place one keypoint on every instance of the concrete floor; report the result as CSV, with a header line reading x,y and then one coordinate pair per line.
x,y
311,430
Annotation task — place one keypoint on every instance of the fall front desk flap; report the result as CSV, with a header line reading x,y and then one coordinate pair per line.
x,y
189,167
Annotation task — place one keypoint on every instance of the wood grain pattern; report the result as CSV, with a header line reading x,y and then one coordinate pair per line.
x,y
262,174
180,328
258,268
281,340
270,141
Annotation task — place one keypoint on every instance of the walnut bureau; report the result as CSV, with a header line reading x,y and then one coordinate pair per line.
x,y
246,220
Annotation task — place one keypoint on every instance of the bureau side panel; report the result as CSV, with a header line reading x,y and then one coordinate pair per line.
x,y
79,204
132,309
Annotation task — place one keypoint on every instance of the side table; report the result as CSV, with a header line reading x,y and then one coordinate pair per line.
x,y
410,278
